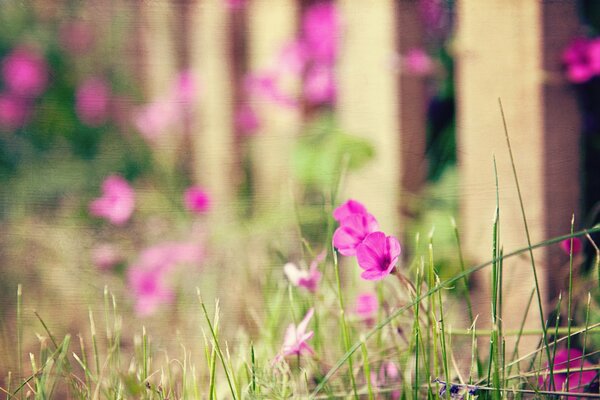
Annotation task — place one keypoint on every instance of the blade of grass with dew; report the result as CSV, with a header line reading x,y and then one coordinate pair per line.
x,y
587,321
442,331
520,332
366,369
570,299
532,258
431,309
447,282
20,333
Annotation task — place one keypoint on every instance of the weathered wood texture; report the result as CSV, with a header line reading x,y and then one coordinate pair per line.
x,y
510,50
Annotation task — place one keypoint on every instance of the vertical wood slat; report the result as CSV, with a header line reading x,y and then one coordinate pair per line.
x,y
271,25
368,103
212,134
502,50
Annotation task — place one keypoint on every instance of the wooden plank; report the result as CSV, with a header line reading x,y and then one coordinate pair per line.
x,y
212,134
504,49
368,103
272,24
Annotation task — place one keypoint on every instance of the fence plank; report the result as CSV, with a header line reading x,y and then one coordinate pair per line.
x,y
368,103
271,25
503,49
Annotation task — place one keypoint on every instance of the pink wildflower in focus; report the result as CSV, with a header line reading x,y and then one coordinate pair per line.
x,y
197,200
76,37
565,245
319,85
320,29
377,255
105,256
417,62
352,231
117,201
577,379
294,341
25,72
148,288
348,208
246,120
302,278
366,307
13,111
92,101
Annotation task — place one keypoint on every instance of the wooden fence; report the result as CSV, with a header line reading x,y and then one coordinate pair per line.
x,y
508,49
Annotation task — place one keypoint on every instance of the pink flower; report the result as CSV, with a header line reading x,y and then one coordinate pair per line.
x,y
117,201
294,341
418,62
293,57
14,111
576,378
106,256
577,62
565,245
348,208
388,374
265,85
319,85
320,30
186,88
352,231
303,278
235,4
92,101
76,37
148,288
246,120
197,200
366,307
25,72
377,255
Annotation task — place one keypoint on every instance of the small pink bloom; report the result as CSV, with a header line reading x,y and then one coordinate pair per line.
x,y
418,62
352,231
76,37
577,61
348,208
148,288
105,256
92,101
246,120
25,72
153,119
576,378
302,278
294,341
117,201
388,375
565,245
197,200
14,111
377,255
320,29
319,85
366,307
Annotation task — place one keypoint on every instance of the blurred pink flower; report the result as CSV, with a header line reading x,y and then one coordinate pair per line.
x,y
377,255
294,341
76,37
92,101
197,200
308,279
117,201
106,256
293,57
352,231
417,62
235,4
164,256
320,32
25,72
319,85
265,85
388,375
366,307
576,61
246,120
577,379
155,118
348,208
565,245
148,288
14,111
